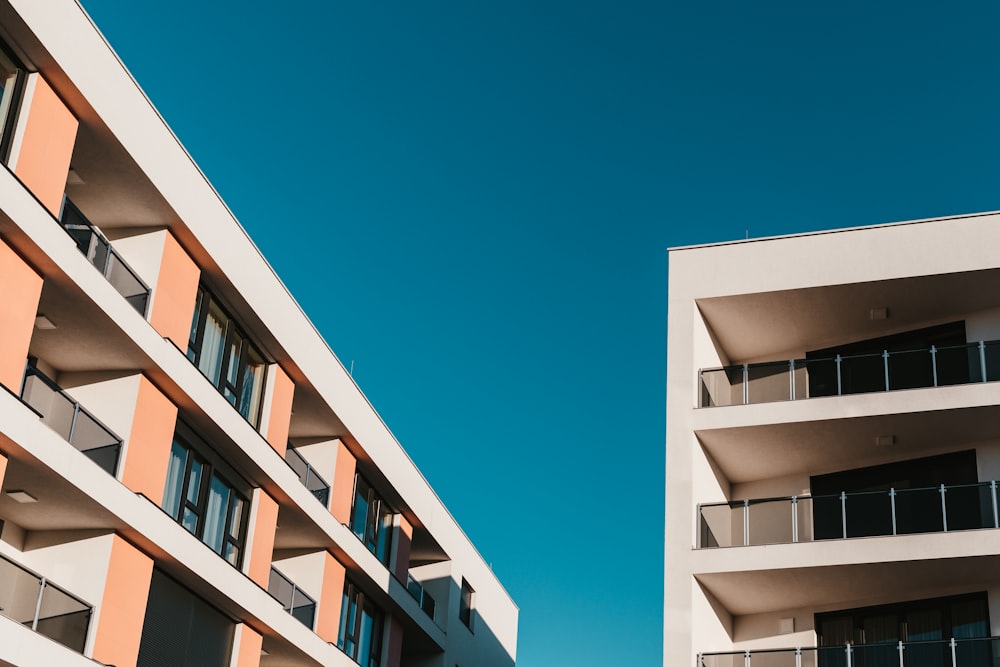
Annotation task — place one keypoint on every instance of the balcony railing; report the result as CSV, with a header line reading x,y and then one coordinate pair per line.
x,y
858,374
35,602
105,259
976,652
308,476
419,594
864,514
291,598
64,415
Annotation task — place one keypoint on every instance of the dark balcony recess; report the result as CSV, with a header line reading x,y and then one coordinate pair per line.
x,y
64,415
98,251
422,597
308,476
292,599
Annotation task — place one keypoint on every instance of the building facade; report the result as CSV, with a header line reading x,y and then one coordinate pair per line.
x,y
832,448
189,475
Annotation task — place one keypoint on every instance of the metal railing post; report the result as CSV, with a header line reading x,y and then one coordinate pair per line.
x,y
934,364
843,512
746,385
901,654
993,494
72,423
885,366
944,510
795,519
982,359
892,504
746,659
798,657
38,604
746,522
791,379
954,662
849,655
839,385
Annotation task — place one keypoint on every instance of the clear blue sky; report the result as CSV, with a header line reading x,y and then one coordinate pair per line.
x,y
472,200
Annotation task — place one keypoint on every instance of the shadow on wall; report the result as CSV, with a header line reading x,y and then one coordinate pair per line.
x,y
477,646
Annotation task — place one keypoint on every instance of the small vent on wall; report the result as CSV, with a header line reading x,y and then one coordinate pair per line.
x,y
786,626
885,440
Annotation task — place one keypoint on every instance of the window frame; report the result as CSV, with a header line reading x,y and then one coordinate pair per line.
x,y
353,594
204,299
466,610
210,469
8,123
375,504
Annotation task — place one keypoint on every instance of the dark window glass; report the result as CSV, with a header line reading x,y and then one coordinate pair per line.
x,y
12,76
224,355
465,604
372,519
182,629
361,623
213,510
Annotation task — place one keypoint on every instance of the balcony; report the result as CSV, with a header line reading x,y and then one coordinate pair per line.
x,y
99,252
799,379
35,602
64,415
865,514
308,476
291,598
423,598
978,652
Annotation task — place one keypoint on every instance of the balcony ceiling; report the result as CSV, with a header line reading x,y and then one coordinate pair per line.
x,y
778,325
846,586
767,451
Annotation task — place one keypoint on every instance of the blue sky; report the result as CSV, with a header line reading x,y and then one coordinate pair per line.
x,y
472,201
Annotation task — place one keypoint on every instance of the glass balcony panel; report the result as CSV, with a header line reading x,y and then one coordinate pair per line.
x,y
827,517
869,514
918,511
767,383
862,374
784,658
958,365
969,506
722,386
974,652
63,618
991,352
18,593
124,280
280,588
304,610
876,655
771,522
723,660
801,380
809,658
56,408
820,378
721,525
927,654
911,369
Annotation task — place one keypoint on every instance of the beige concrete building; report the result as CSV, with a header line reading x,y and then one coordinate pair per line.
x,y
833,441
189,475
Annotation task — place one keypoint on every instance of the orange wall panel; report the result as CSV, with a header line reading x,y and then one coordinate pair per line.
x,y
46,146
22,288
395,652
119,627
3,467
331,599
282,392
343,485
148,454
403,542
250,645
175,293
262,548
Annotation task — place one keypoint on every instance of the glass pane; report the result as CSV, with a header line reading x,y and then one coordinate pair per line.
x,y
194,324
773,659
992,354
721,525
383,539
210,361
175,478
910,370
8,78
190,521
359,520
194,481
969,619
827,518
234,349
969,506
722,660
231,553
63,618
253,387
215,513
366,641
820,378
770,522
862,374
280,589
236,522
722,386
869,514
769,382
918,511
958,365
345,613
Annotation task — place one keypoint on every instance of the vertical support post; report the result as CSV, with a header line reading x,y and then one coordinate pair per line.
x,y
72,423
934,364
952,643
900,645
38,604
795,520
843,513
746,659
944,510
849,655
798,657
993,494
746,522
840,390
892,504
746,384
791,380
885,367
982,359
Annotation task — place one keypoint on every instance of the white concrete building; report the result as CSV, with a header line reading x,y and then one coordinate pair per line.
x,y
189,475
832,445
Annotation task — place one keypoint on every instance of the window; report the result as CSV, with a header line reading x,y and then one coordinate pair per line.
x,y
465,604
371,519
201,499
12,77
224,355
361,623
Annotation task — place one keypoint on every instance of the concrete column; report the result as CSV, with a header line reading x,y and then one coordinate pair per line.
x,y
277,408
331,599
260,541
123,607
342,490
148,452
174,293
246,647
